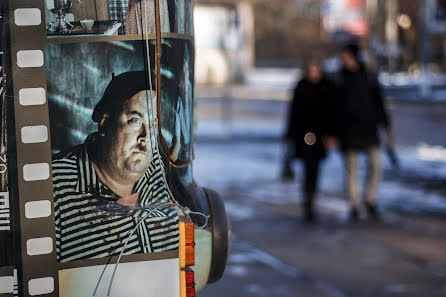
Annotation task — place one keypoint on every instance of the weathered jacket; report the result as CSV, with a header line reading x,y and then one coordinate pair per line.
x,y
310,112
360,109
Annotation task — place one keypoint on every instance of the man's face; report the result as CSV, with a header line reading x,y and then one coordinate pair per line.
x,y
128,140
314,73
348,60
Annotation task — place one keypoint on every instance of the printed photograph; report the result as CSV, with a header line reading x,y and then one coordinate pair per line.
x,y
110,192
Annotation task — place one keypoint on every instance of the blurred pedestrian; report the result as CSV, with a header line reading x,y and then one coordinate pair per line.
x,y
308,123
360,112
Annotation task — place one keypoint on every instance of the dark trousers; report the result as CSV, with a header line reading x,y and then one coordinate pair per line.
x,y
311,166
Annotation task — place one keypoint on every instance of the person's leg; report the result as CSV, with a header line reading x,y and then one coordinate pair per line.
x,y
352,181
373,178
311,164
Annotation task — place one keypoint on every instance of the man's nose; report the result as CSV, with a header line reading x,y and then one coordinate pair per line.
x,y
144,132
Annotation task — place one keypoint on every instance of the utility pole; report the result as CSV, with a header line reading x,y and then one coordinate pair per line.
x,y
391,30
425,14
372,7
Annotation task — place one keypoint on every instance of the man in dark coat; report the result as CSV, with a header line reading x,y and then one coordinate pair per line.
x,y
308,124
360,112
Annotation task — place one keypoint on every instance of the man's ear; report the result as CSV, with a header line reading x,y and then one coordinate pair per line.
x,y
102,124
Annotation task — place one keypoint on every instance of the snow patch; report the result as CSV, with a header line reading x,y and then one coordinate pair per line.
x,y
432,153
237,270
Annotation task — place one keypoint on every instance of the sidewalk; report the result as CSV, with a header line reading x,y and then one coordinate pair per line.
x,y
238,153
275,255
247,134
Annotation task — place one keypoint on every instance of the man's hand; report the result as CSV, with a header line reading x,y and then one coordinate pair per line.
x,y
330,142
286,140
389,137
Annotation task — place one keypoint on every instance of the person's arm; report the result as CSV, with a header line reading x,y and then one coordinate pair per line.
x,y
328,109
329,115
290,132
337,104
382,113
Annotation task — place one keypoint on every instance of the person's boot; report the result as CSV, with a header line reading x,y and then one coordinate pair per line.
x,y
371,210
308,213
309,216
354,215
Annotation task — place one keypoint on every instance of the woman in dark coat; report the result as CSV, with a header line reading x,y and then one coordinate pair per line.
x,y
308,125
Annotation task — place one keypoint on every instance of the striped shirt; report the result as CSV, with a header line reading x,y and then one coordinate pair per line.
x,y
84,227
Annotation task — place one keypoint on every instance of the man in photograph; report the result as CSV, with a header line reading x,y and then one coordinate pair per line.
x,y
104,187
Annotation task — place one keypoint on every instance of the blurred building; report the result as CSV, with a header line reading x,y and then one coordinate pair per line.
x,y
233,36
406,34
346,16
224,41
398,35
289,32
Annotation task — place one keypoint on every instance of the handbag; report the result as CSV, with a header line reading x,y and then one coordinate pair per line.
x,y
287,173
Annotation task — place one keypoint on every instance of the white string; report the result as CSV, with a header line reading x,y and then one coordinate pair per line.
x,y
125,245
128,240
148,59
186,210
153,132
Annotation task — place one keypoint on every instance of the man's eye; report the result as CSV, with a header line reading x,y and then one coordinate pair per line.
x,y
135,121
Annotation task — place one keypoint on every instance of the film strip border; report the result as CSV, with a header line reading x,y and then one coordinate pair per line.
x,y
8,282
5,209
38,272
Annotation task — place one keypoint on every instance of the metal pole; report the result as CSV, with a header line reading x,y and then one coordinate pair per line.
x,y
425,9
372,13
158,74
391,34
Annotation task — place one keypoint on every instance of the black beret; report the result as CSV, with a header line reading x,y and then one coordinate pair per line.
x,y
120,89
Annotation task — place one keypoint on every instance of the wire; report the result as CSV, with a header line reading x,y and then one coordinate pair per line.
x,y
113,209
103,271
127,241
153,133
152,129
189,212
123,249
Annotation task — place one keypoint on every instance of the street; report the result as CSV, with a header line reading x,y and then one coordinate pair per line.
x,y
238,153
